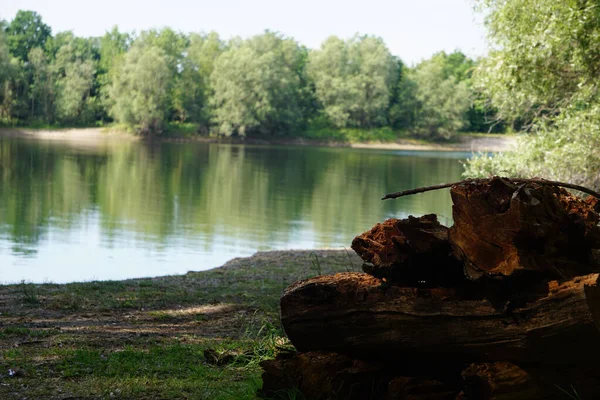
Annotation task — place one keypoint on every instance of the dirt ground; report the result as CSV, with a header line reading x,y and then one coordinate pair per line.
x,y
471,143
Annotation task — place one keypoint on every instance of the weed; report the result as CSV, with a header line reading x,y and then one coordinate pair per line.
x,y
316,264
352,267
67,301
289,394
572,393
30,293
163,316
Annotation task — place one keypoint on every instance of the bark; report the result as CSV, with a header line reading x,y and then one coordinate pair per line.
x,y
322,375
503,381
406,388
502,228
413,251
506,381
359,315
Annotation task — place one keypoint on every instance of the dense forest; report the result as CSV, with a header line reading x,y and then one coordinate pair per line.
x,y
265,85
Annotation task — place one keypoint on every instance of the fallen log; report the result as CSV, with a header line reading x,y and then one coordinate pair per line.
x,y
323,375
506,381
503,381
413,251
359,315
502,228
408,388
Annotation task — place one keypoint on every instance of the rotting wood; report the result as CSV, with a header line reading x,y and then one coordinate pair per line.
x,y
414,251
501,228
503,381
323,375
359,315
332,376
507,381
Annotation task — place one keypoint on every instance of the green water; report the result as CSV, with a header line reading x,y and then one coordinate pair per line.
x,y
129,209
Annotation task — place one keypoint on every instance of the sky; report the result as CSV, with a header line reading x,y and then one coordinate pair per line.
x,y
412,29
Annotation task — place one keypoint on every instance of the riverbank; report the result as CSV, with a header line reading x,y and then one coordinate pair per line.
x,y
148,338
462,142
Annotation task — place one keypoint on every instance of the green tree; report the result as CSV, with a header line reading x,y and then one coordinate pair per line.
x,y
8,68
353,80
403,103
141,88
173,44
26,32
543,64
193,88
74,69
441,97
41,90
257,86
112,48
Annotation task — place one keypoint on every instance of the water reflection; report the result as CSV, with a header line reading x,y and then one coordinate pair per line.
x,y
128,209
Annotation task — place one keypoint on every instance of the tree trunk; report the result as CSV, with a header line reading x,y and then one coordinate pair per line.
x,y
359,315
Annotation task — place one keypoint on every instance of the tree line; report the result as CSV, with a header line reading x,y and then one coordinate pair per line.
x,y
268,84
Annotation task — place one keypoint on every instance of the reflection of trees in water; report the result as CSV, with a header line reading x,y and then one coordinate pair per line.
x,y
202,193
38,185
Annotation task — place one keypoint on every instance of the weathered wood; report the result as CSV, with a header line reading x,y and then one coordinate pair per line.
x,y
506,381
414,251
359,315
323,375
503,381
501,228
407,388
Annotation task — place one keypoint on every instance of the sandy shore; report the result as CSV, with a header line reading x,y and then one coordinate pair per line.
x,y
470,143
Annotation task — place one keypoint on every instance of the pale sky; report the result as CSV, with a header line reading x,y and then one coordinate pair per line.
x,y
412,29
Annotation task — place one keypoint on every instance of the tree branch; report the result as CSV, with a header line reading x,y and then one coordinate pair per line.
x,y
481,180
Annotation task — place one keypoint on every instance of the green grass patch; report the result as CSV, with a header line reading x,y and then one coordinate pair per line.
x,y
20,331
181,129
146,338
350,135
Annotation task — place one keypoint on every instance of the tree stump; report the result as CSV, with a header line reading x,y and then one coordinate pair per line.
x,y
502,228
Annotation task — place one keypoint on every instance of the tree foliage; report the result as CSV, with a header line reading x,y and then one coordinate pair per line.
x,y
140,91
441,95
353,80
26,32
8,69
543,68
74,69
193,88
257,86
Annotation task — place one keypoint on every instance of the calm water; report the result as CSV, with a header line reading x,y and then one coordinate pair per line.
x,y
121,210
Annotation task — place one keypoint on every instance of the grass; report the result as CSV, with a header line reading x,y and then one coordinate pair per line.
x,y
350,135
146,338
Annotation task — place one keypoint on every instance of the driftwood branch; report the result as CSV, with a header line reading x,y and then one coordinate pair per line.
x,y
481,180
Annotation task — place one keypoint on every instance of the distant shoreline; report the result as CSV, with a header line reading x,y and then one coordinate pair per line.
x,y
465,142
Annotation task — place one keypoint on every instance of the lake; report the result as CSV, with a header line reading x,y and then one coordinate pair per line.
x,y
126,209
